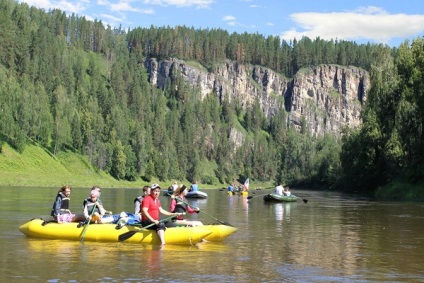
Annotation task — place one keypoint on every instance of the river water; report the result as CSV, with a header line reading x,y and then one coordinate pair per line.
x,y
331,238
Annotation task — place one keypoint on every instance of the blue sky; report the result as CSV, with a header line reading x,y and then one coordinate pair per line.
x,y
386,21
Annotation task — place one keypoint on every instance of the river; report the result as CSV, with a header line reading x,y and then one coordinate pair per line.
x,y
331,238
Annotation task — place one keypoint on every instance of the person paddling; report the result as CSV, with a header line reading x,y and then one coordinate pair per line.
x,y
93,207
177,205
151,208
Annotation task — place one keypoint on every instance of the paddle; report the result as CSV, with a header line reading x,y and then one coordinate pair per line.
x,y
250,197
304,200
129,234
88,222
219,221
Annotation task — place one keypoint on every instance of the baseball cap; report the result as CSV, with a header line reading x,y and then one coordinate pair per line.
x,y
154,186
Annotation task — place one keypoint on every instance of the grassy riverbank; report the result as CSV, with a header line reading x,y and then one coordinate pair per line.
x,y
36,167
401,191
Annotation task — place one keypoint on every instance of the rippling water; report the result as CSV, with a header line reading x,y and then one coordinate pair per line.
x,y
332,238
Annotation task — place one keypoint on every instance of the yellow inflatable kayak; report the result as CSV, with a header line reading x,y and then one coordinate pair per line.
x,y
218,232
108,233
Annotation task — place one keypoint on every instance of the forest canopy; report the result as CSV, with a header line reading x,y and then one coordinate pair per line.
x,y
70,84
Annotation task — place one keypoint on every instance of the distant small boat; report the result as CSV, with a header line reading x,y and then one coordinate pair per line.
x,y
280,198
195,194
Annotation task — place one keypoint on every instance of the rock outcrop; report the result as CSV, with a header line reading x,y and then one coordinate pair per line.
x,y
325,97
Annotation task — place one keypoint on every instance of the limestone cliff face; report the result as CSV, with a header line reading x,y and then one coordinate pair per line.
x,y
328,97
325,97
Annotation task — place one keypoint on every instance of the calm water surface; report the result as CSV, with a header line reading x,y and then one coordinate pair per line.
x,y
332,238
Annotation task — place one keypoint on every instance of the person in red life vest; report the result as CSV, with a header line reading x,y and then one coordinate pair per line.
x,y
151,209
178,205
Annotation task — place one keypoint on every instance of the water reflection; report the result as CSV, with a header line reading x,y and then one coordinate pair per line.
x,y
197,202
245,203
332,238
282,211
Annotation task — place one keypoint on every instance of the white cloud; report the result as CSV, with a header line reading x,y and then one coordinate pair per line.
x,y
181,3
228,18
370,10
44,4
148,11
72,7
123,6
231,21
366,23
68,6
111,18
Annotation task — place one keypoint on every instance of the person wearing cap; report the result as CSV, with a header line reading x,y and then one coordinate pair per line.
x,y
151,209
178,204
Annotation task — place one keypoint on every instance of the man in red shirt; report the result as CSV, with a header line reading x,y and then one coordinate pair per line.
x,y
151,208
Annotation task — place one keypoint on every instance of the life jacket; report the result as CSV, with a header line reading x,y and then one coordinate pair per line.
x,y
137,204
90,205
64,204
180,207
138,199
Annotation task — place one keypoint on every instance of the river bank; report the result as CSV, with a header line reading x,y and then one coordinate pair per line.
x,y
36,167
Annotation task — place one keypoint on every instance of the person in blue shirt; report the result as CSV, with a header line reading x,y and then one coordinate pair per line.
x,y
231,189
194,187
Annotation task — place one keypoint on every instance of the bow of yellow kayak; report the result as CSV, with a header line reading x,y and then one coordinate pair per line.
x,y
219,232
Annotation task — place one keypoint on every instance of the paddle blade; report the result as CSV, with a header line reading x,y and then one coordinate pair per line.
x,y
225,223
249,197
126,236
305,200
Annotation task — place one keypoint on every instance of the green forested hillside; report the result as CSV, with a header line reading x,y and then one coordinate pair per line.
x,y
76,86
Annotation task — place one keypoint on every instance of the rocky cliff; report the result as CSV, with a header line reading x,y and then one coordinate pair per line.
x,y
328,97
